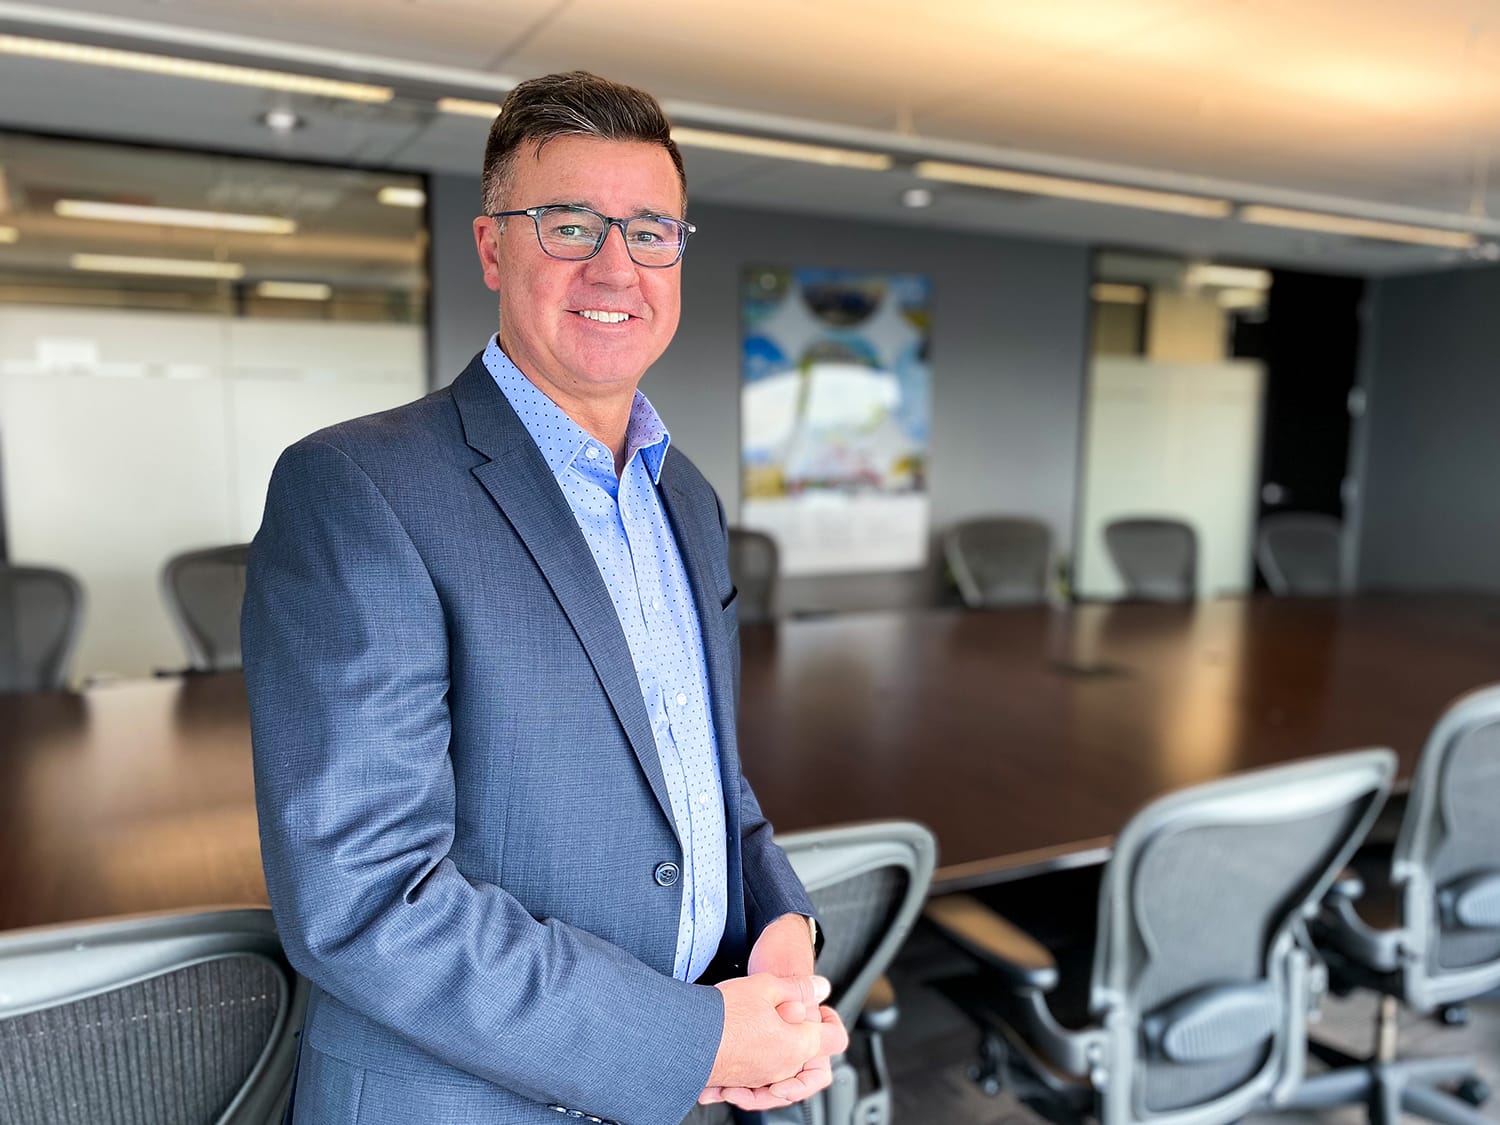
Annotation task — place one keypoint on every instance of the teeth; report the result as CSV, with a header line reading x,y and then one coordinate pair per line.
x,y
602,316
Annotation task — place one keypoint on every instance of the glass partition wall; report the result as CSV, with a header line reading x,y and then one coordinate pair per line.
x,y
1173,417
169,322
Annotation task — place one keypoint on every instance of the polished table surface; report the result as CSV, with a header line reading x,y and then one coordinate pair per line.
x,y
1020,736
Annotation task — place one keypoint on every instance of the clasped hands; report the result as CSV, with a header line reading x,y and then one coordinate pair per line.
x,y
779,1038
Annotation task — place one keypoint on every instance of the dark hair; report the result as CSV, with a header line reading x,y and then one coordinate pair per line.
x,y
575,104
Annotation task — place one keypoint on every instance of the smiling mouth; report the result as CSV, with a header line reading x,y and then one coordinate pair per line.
x,y
602,316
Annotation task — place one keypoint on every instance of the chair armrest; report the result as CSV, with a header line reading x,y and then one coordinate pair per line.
x,y
879,1013
1341,930
1017,956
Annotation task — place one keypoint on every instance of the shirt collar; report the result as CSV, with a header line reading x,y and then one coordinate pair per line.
x,y
562,440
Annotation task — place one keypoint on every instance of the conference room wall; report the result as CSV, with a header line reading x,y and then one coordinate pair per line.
x,y
1430,514
1009,351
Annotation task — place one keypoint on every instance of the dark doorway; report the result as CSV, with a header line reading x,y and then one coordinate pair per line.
x,y
1309,342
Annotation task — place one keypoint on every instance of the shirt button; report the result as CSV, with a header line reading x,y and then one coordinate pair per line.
x,y
591,452
703,800
681,699
655,603
666,874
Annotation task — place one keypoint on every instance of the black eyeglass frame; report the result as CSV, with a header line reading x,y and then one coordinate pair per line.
x,y
535,215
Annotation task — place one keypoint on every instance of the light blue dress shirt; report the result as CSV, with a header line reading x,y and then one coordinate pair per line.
x,y
632,543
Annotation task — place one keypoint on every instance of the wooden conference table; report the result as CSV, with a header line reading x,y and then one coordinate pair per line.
x,y
1021,736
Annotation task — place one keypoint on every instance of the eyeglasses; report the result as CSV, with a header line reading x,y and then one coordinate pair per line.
x,y
575,234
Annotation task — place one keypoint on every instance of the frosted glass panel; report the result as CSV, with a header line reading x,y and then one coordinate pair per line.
x,y
1179,440
131,436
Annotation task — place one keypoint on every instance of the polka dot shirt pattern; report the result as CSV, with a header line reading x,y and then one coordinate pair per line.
x,y
632,543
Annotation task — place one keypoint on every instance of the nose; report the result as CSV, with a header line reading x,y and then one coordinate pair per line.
x,y
613,262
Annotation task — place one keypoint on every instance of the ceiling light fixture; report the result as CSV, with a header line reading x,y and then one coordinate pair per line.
x,y
464,107
393,196
784,150
294,290
1202,274
9,234
281,120
1357,228
917,197
1088,191
1116,293
172,67
158,267
173,217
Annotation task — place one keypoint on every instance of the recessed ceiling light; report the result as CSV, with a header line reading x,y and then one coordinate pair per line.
x,y
1358,228
160,267
294,290
464,107
917,197
282,120
173,67
1229,277
173,217
393,196
9,234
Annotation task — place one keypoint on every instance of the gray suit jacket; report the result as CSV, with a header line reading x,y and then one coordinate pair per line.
x,y
462,812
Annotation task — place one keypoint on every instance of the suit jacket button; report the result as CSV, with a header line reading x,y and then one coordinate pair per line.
x,y
666,874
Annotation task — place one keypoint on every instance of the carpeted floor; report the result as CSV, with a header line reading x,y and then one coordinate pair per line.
x,y
933,1047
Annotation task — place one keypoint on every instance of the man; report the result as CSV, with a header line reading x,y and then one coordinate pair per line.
x,y
492,656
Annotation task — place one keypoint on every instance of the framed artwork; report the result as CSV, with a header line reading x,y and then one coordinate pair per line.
x,y
835,408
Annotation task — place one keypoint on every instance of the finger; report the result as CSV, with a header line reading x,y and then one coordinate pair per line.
x,y
759,1099
711,1095
794,990
799,1013
817,1075
834,1039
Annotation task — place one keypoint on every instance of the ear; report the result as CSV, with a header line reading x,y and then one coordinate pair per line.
x,y
487,243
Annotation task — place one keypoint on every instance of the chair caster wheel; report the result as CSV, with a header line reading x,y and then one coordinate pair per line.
x,y
1454,1015
1475,1091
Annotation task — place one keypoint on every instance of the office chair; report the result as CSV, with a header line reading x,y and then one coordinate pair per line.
x,y
203,591
1157,558
754,566
189,1019
867,883
41,611
1423,929
1301,553
999,560
1190,1005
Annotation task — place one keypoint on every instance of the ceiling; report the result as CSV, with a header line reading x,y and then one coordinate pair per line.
x,y
1377,107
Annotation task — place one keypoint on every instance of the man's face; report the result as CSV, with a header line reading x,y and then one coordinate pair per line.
x,y
542,300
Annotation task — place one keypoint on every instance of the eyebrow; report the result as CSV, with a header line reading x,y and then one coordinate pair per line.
x,y
638,213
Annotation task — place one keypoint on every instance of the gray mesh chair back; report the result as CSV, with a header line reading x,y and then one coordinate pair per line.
x,y
1301,553
1157,558
1447,858
204,591
999,561
1201,971
41,611
182,1020
754,566
867,883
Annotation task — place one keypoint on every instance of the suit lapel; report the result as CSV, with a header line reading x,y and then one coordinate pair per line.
x,y
519,481
697,534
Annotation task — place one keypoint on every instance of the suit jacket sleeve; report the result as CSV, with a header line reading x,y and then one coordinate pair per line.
x,y
346,664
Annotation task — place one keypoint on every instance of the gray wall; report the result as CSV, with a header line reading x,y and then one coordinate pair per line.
x,y
1430,511
1009,347
464,313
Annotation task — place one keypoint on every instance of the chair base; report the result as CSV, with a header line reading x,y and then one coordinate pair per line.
x,y
1390,1088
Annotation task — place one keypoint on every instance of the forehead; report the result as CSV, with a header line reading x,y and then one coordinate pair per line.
x,y
616,177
